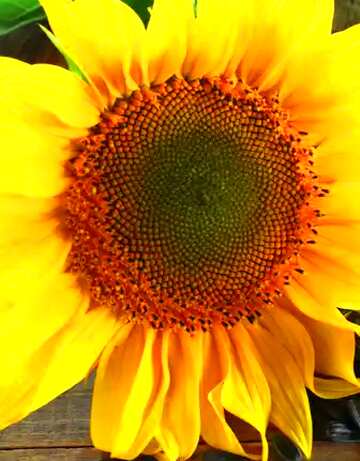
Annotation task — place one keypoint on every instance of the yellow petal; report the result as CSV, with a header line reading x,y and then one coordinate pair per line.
x,y
29,264
333,350
246,392
334,273
43,107
338,238
215,430
324,101
332,267
339,204
227,23
31,161
290,410
287,28
59,364
144,440
108,384
179,429
31,319
47,90
310,300
133,409
105,38
23,218
76,350
334,388
337,158
129,391
317,348
167,37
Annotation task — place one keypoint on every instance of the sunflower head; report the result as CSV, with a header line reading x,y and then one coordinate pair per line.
x,y
184,217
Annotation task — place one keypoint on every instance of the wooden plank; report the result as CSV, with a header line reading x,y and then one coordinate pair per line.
x,y
62,423
327,451
51,454
323,451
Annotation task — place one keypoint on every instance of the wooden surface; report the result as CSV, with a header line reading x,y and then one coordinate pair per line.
x,y
62,423
60,431
52,454
322,452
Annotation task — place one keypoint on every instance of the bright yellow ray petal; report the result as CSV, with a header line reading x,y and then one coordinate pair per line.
x,y
179,429
246,392
43,107
342,47
214,428
30,321
128,399
337,158
135,403
105,38
317,348
114,386
339,205
333,272
334,350
338,237
337,248
335,388
290,410
287,28
29,264
332,267
65,359
22,217
324,102
155,406
107,387
31,161
76,350
341,238
312,302
226,23
167,37
46,90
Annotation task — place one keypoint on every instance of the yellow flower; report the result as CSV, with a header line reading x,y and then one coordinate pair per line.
x,y
186,220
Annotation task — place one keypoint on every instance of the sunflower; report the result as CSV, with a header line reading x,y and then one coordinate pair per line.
x,y
184,218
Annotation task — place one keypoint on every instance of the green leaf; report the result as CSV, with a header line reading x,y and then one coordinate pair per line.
x,y
72,66
141,7
195,4
17,13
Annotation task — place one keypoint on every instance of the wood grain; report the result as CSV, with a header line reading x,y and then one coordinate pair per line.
x,y
62,423
323,451
327,451
52,454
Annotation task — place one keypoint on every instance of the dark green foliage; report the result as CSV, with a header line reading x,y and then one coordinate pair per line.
x,y
18,13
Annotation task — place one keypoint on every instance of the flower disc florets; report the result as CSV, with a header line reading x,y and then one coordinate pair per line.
x,y
188,204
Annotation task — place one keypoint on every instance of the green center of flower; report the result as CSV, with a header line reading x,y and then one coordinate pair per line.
x,y
186,202
200,197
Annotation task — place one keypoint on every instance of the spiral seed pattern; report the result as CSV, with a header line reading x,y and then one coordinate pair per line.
x,y
188,204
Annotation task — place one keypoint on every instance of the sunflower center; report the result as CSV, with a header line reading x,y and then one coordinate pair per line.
x,y
188,204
